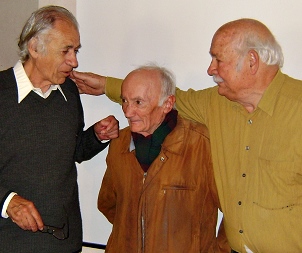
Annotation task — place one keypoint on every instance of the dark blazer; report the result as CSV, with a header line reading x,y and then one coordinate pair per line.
x,y
40,141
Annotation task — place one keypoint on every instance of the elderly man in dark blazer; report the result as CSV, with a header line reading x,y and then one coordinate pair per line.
x,y
41,138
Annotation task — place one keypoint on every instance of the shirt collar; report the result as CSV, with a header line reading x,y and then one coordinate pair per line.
x,y
270,96
25,86
131,146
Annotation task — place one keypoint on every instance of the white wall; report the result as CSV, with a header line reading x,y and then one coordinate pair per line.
x,y
68,4
117,36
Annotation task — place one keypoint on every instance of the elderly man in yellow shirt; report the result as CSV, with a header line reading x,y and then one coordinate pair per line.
x,y
254,116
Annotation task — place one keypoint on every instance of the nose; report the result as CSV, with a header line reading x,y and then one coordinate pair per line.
x,y
72,60
212,69
128,110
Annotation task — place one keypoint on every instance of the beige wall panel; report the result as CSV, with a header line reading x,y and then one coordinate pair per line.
x,y
13,16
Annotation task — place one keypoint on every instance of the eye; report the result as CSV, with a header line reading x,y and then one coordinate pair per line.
x,y
76,51
138,102
216,59
124,100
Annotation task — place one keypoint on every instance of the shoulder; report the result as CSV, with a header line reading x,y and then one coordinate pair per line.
x,y
193,127
125,131
70,86
7,79
292,87
124,137
121,144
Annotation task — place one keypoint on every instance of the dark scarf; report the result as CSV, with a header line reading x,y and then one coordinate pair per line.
x,y
147,148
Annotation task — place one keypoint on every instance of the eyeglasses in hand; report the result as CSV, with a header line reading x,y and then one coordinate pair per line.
x,y
55,231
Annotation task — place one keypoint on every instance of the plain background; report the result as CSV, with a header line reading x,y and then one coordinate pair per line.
x,y
119,35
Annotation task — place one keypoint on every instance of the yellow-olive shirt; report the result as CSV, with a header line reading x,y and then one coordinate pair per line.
x,y
257,160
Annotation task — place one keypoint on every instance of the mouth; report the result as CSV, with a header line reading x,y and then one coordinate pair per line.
x,y
66,73
133,121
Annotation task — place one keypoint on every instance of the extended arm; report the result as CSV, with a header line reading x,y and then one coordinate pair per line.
x,y
190,104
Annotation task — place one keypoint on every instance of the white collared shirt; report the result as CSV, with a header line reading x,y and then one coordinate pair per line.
x,y
25,86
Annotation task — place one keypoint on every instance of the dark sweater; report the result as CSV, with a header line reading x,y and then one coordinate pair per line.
x,y
40,140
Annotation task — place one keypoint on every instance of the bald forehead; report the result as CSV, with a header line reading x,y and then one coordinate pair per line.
x,y
143,77
242,26
143,84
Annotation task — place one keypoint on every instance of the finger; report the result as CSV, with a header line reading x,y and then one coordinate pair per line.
x,y
23,218
38,220
112,127
24,213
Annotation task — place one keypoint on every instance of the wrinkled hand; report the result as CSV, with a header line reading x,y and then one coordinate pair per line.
x,y
107,129
24,213
89,83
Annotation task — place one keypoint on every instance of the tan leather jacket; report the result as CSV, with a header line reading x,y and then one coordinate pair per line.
x,y
171,208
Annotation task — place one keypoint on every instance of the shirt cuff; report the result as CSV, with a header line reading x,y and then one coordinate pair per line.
x,y
5,204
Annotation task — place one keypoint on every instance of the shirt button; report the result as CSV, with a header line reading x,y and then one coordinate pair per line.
x,y
162,158
247,147
240,231
243,175
250,121
239,203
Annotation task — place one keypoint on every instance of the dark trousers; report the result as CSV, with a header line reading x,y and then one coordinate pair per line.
x,y
233,251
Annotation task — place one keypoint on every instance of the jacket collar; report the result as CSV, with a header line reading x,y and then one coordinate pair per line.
x,y
172,143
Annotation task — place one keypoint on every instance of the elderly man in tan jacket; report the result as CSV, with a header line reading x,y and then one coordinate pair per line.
x,y
159,190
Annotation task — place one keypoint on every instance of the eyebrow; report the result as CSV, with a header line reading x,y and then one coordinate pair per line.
x,y
70,47
133,99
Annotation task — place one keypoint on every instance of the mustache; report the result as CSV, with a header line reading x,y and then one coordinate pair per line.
x,y
217,79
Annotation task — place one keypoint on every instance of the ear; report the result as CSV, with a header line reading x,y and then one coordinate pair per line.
x,y
33,47
169,103
254,61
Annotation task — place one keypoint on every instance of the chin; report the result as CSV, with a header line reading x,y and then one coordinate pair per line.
x,y
134,129
60,80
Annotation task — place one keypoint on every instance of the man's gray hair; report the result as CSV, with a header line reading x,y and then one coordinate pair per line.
x,y
39,24
167,80
267,47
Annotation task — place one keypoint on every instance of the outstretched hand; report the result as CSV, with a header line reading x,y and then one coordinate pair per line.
x,y
107,129
89,83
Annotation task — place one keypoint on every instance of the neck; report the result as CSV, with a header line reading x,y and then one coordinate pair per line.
x,y
34,77
251,101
